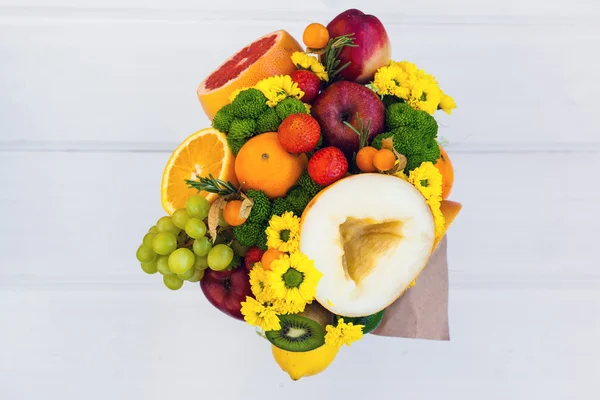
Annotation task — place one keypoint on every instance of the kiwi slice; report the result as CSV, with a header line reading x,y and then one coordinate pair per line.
x,y
297,334
370,322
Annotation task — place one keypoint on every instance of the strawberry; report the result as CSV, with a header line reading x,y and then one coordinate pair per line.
x,y
299,133
327,166
308,82
253,256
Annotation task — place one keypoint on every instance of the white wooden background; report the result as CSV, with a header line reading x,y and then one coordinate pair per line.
x,y
95,94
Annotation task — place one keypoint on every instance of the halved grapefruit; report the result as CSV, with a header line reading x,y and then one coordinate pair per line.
x,y
265,57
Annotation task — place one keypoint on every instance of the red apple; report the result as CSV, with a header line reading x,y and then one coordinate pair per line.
x,y
226,290
374,49
341,102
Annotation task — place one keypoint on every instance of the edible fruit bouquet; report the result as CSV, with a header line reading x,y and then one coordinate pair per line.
x,y
317,196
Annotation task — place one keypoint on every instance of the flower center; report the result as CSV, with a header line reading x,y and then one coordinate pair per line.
x,y
284,235
293,278
424,182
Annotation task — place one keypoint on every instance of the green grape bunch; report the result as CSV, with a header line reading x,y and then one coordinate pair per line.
x,y
177,246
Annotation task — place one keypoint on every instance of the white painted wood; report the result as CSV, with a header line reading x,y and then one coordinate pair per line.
x,y
131,77
379,7
120,343
95,94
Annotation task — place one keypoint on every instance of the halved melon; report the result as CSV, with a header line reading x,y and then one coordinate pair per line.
x,y
267,56
370,235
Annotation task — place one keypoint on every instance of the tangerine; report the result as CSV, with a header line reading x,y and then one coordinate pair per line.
x,y
315,36
231,213
445,166
364,159
263,164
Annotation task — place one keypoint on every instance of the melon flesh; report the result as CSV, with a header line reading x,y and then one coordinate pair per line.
x,y
370,235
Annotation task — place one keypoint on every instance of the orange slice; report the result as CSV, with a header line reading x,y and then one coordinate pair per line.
x,y
202,154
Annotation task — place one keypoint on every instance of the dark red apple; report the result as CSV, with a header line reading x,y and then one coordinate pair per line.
x,y
374,49
226,290
340,102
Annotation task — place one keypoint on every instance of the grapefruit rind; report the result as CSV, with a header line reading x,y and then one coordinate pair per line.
x,y
214,93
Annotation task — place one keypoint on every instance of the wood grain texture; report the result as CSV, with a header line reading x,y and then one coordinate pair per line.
x,y
131,78
95,94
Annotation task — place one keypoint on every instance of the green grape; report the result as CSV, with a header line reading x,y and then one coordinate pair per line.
x,y
148,240
165,224
149,267
202,246
145,254
201,263
195,228
197,207
188,274
162,265
180,218
219,257
197,276
164,243
153,230
181,260
173,282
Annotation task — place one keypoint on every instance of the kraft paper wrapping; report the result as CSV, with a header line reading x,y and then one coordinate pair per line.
x,y
422,311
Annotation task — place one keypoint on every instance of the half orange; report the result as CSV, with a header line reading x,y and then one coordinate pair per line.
x,y
202,154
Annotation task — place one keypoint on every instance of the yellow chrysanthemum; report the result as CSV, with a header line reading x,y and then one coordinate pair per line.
x,y
283,232
447,104
308,107
400,174
294,280
277,88
287,307
306,61
428,179
404,80
438,216
257,314
343,333
258,283
393,81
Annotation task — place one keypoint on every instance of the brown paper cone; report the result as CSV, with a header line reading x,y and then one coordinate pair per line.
x,y
422,311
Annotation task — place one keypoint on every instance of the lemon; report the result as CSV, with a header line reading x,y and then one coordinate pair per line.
x,y
307,363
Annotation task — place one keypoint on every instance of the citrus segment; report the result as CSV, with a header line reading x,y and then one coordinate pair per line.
x,y
202,154
267,56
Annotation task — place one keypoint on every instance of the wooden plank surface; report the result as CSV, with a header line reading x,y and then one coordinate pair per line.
x,y
94,96
132,79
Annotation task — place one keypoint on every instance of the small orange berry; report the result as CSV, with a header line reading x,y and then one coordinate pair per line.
x,y
364,159
315,36
231,213
384,160
270,256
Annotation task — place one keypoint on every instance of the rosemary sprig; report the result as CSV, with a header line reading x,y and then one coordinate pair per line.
x,y
332,53
212,185
362,131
